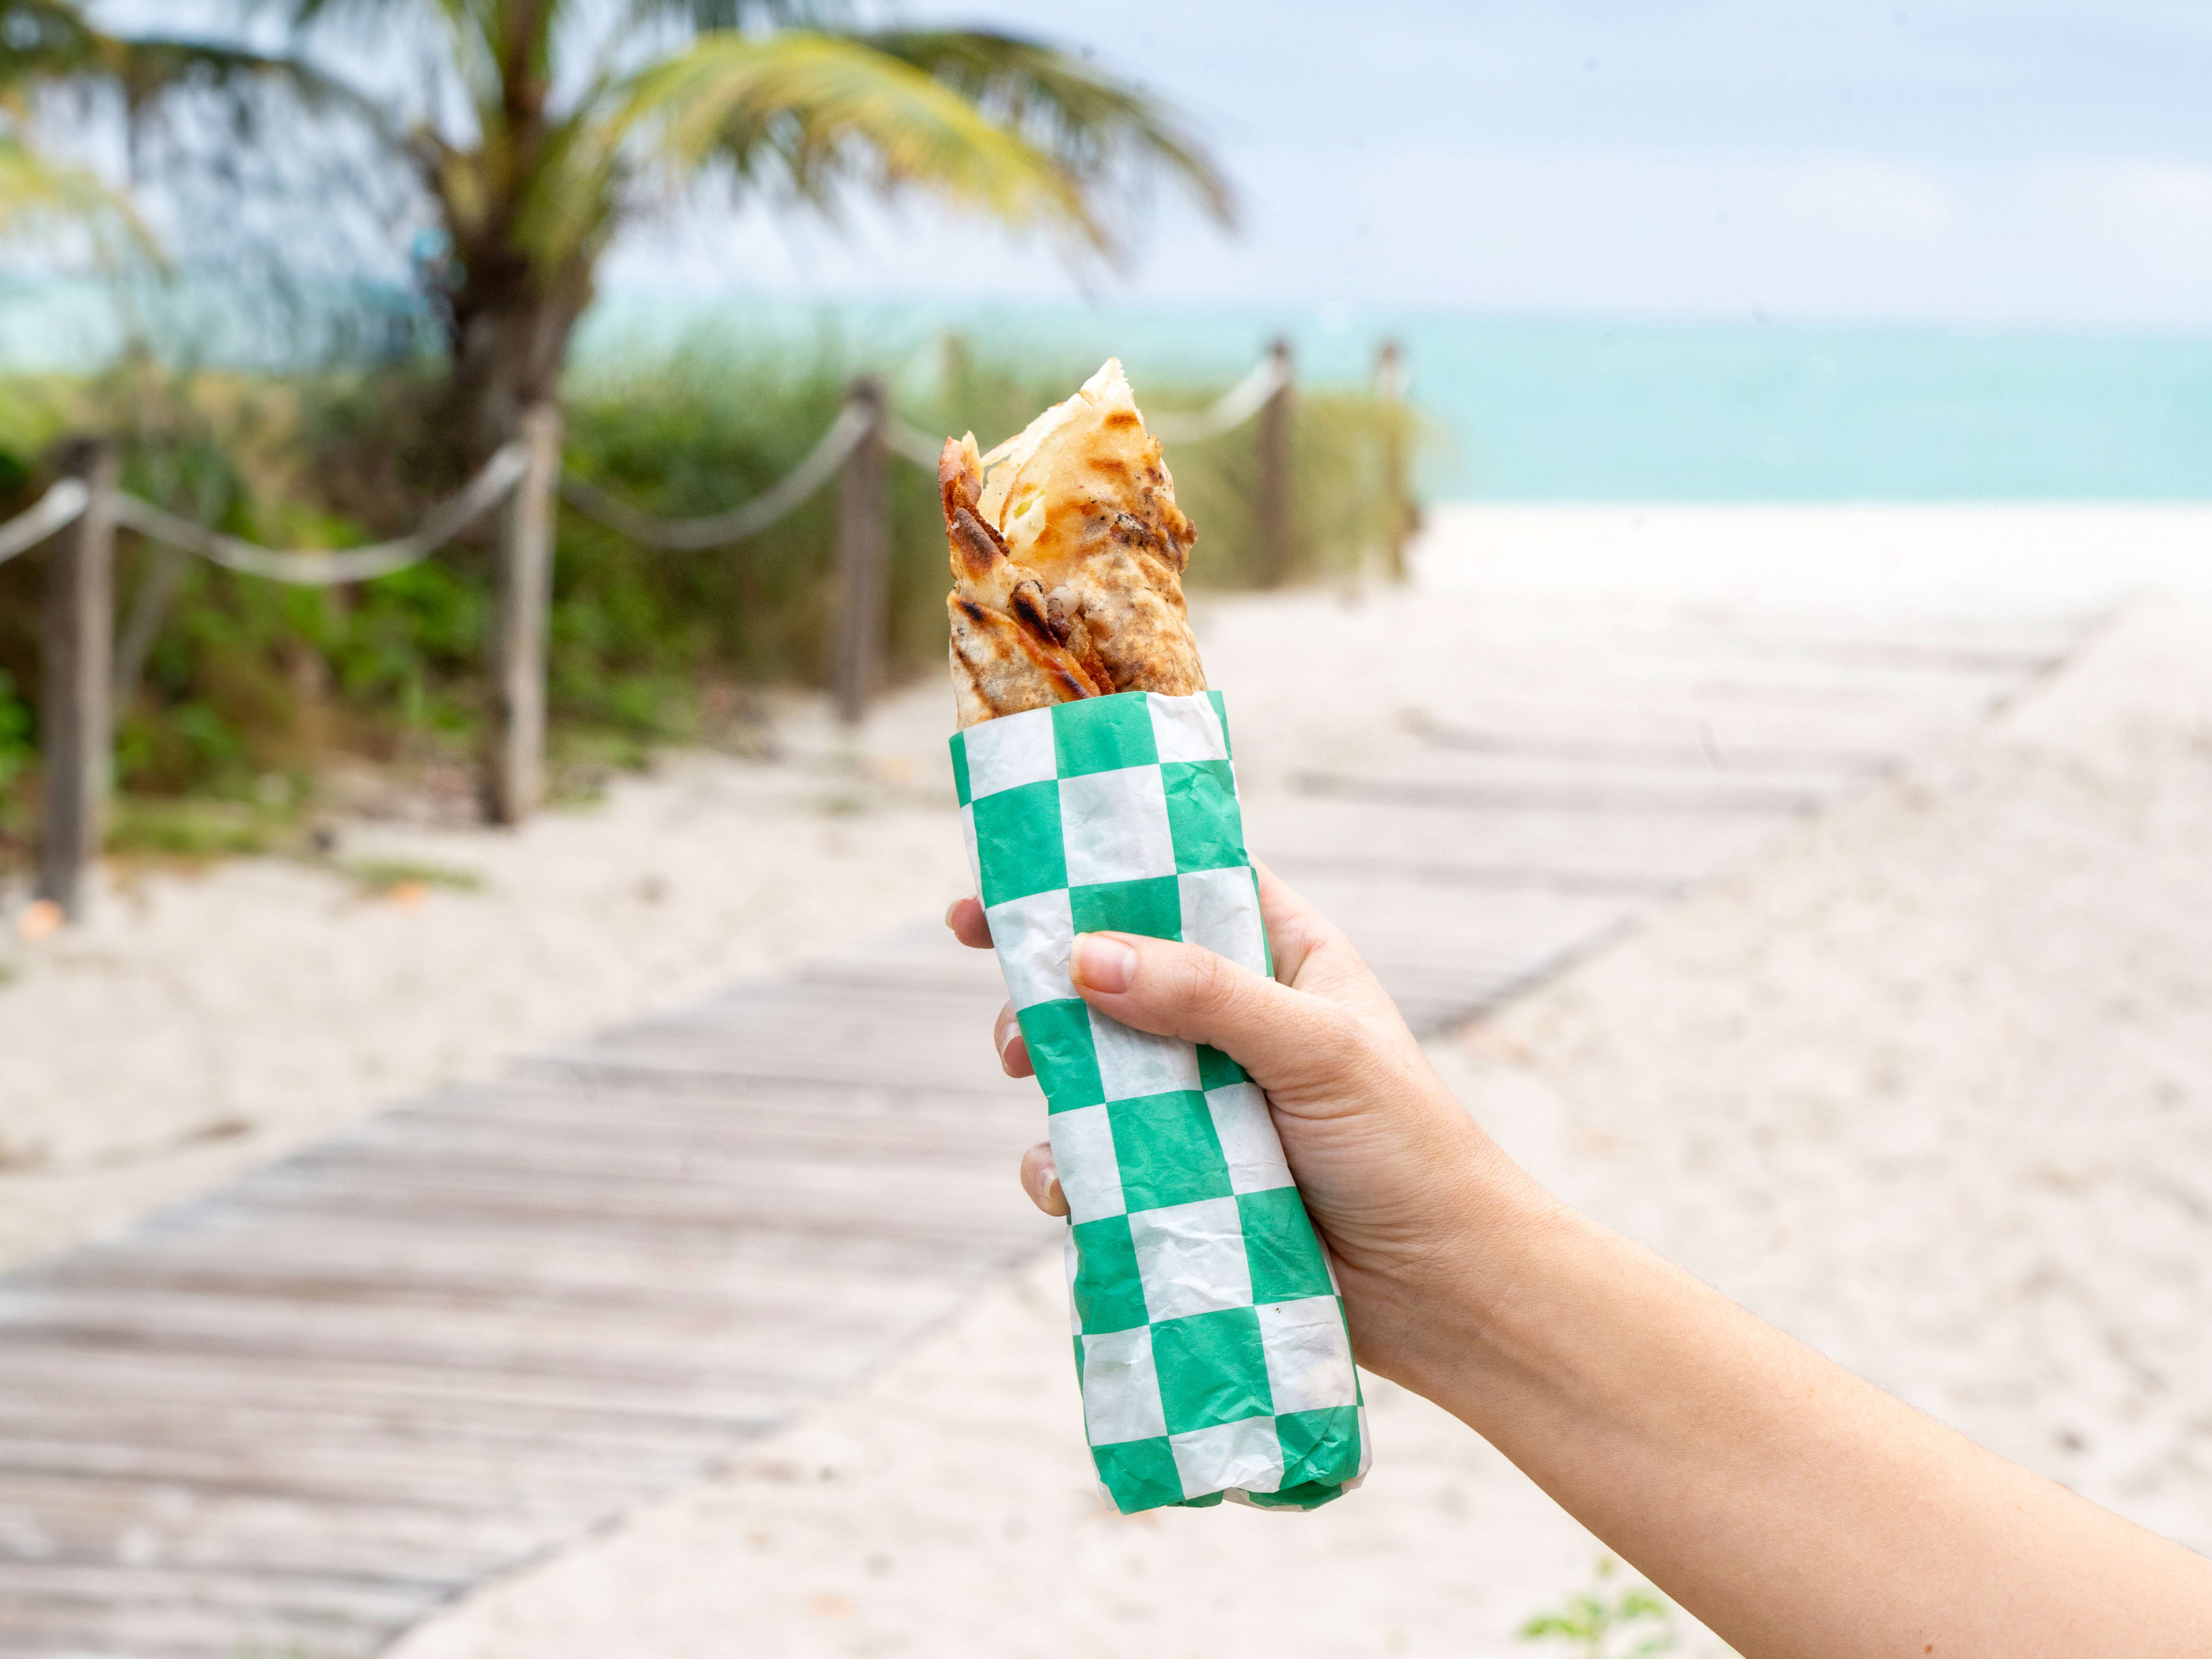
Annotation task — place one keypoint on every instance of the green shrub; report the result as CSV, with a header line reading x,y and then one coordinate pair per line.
x,y
1609,1620
244,678
17,752
193,830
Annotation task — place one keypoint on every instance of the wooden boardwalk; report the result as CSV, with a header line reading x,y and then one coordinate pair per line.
x,y
295,1417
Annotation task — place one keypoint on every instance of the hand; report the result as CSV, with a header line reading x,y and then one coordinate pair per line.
x,y
1760,1486
1393,1169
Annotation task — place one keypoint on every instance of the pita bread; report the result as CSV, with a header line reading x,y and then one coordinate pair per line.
x,y
1068,558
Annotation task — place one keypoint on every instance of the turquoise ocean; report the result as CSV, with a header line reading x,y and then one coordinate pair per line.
x,y
1552,409
1564,409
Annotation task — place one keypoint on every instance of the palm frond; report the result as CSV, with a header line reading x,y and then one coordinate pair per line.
x,y
707,15
307,13
40,39
1093,124
819,110
50,43
150,69
36,190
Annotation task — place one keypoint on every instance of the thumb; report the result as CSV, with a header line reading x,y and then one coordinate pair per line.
x,y
1283,1037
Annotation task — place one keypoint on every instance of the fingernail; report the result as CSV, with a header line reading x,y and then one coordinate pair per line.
x,y
1003,1036
949,909
1104,964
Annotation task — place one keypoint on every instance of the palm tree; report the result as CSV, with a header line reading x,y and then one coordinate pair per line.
x,y
43,42
50,48
544,126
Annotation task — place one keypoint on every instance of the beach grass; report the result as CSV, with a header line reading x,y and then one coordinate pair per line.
x,y
235,678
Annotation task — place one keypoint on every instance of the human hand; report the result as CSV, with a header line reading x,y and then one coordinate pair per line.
x,y
1760,1486
1393,1169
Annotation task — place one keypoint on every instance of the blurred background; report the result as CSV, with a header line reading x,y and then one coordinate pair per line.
x,y
1704,516
1707,253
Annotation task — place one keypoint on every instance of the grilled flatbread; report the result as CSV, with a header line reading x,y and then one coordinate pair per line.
x,y
1068,558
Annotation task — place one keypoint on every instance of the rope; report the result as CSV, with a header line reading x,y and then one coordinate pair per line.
x,y
690,535
317,568
911,443
57,507
1231,409
1227,412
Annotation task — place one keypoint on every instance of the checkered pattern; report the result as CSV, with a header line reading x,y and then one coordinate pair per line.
x,y
1209,1337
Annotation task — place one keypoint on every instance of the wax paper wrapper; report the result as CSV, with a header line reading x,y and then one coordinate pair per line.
x,y
1210,1339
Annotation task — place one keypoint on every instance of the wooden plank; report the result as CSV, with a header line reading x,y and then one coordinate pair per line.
x,y
1702,754
429,1259
411,1235
686,1094
62,1518
1636,714
477,1478
691,1059
105,1607
1958,656
577,1286
1424,789
302,1411
912,1223
1616,847
241,1427
97,1584
614,1173
100,1364
1630,886
785,1348
75,1630
679,1130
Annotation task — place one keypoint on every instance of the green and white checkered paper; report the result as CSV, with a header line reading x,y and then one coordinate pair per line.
x,y
1210,1339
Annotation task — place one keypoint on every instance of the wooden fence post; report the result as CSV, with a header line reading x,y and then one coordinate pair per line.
x,y
1278,556
517,779
1390,385
77,707
858,623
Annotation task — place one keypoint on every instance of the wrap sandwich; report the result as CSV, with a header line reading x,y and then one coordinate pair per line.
x,y
1097,792
1068,558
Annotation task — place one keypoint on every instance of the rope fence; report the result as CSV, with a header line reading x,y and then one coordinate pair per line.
x,y
80,682
1270,375
845,433
56,509
321,569
911,443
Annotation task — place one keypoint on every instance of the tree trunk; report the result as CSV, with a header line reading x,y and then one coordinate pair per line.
x,y
509,338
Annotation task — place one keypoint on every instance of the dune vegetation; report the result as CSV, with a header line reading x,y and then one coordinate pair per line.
x,y
244,689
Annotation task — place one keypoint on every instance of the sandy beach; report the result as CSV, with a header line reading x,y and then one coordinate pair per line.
x,y
1922,1080
1924,1085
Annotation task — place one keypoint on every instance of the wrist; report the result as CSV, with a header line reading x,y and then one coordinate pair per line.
x,y
1438,1315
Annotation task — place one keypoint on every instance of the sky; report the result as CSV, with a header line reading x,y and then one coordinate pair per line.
x,y
1975,162
1954,162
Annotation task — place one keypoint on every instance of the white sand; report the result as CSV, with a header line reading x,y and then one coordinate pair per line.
x,y
1932,1088
1926,1083
201,1024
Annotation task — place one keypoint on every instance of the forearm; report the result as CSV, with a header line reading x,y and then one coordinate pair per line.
x,y
1794,1508
1798,1511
